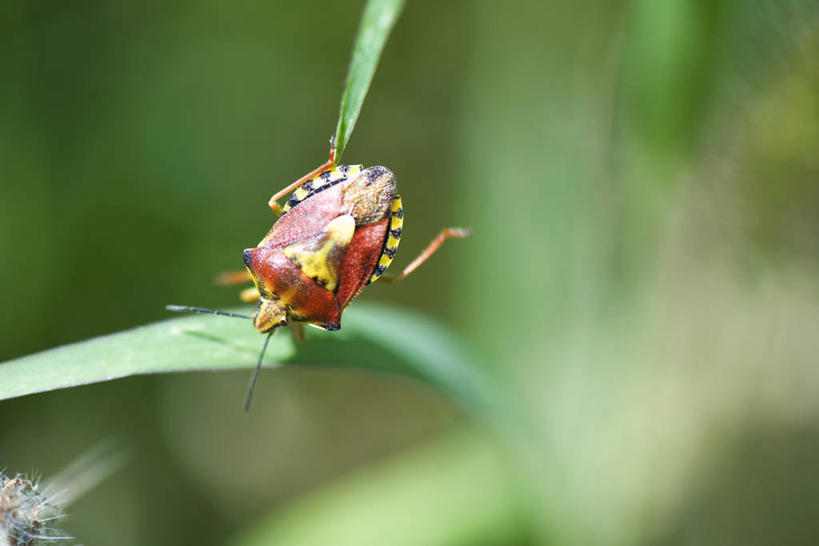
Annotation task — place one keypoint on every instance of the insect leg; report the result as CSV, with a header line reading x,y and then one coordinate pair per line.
x,y
446,233
234,277
331,162
250,295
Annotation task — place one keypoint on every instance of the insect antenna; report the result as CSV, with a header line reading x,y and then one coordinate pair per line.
x,y
186,308
255,375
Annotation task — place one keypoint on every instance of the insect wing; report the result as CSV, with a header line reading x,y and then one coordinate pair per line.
x,y
360,260
320,256
308,218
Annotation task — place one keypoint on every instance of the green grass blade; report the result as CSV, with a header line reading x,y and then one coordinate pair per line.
x,y
194,342
393,340
376,23
374,337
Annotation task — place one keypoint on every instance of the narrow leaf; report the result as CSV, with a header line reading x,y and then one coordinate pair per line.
x,y
376,23
195,342
374,337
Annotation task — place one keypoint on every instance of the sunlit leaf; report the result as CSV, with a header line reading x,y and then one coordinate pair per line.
x,y
375,337
195,342
376,23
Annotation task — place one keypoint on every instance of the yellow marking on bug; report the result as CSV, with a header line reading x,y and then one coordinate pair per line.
x,y
320,257
300,194
395,206
316,325
392,242
396,223
271,313
341,229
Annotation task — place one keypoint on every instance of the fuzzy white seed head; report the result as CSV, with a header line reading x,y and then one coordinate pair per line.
x,y
26,513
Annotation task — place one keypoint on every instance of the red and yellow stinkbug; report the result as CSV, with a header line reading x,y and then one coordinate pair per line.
x,y
338,232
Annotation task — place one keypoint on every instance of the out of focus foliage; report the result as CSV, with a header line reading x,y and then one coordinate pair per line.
x,y
642,178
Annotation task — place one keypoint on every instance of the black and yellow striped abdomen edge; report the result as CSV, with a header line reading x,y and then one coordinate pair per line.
x,y
325,180
393,238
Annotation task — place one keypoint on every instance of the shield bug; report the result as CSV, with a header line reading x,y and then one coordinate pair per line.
x,y
337,233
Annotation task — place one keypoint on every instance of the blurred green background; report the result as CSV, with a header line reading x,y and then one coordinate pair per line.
x,y
643,180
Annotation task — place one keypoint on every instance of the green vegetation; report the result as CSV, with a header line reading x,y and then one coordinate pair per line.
x,y
624,353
